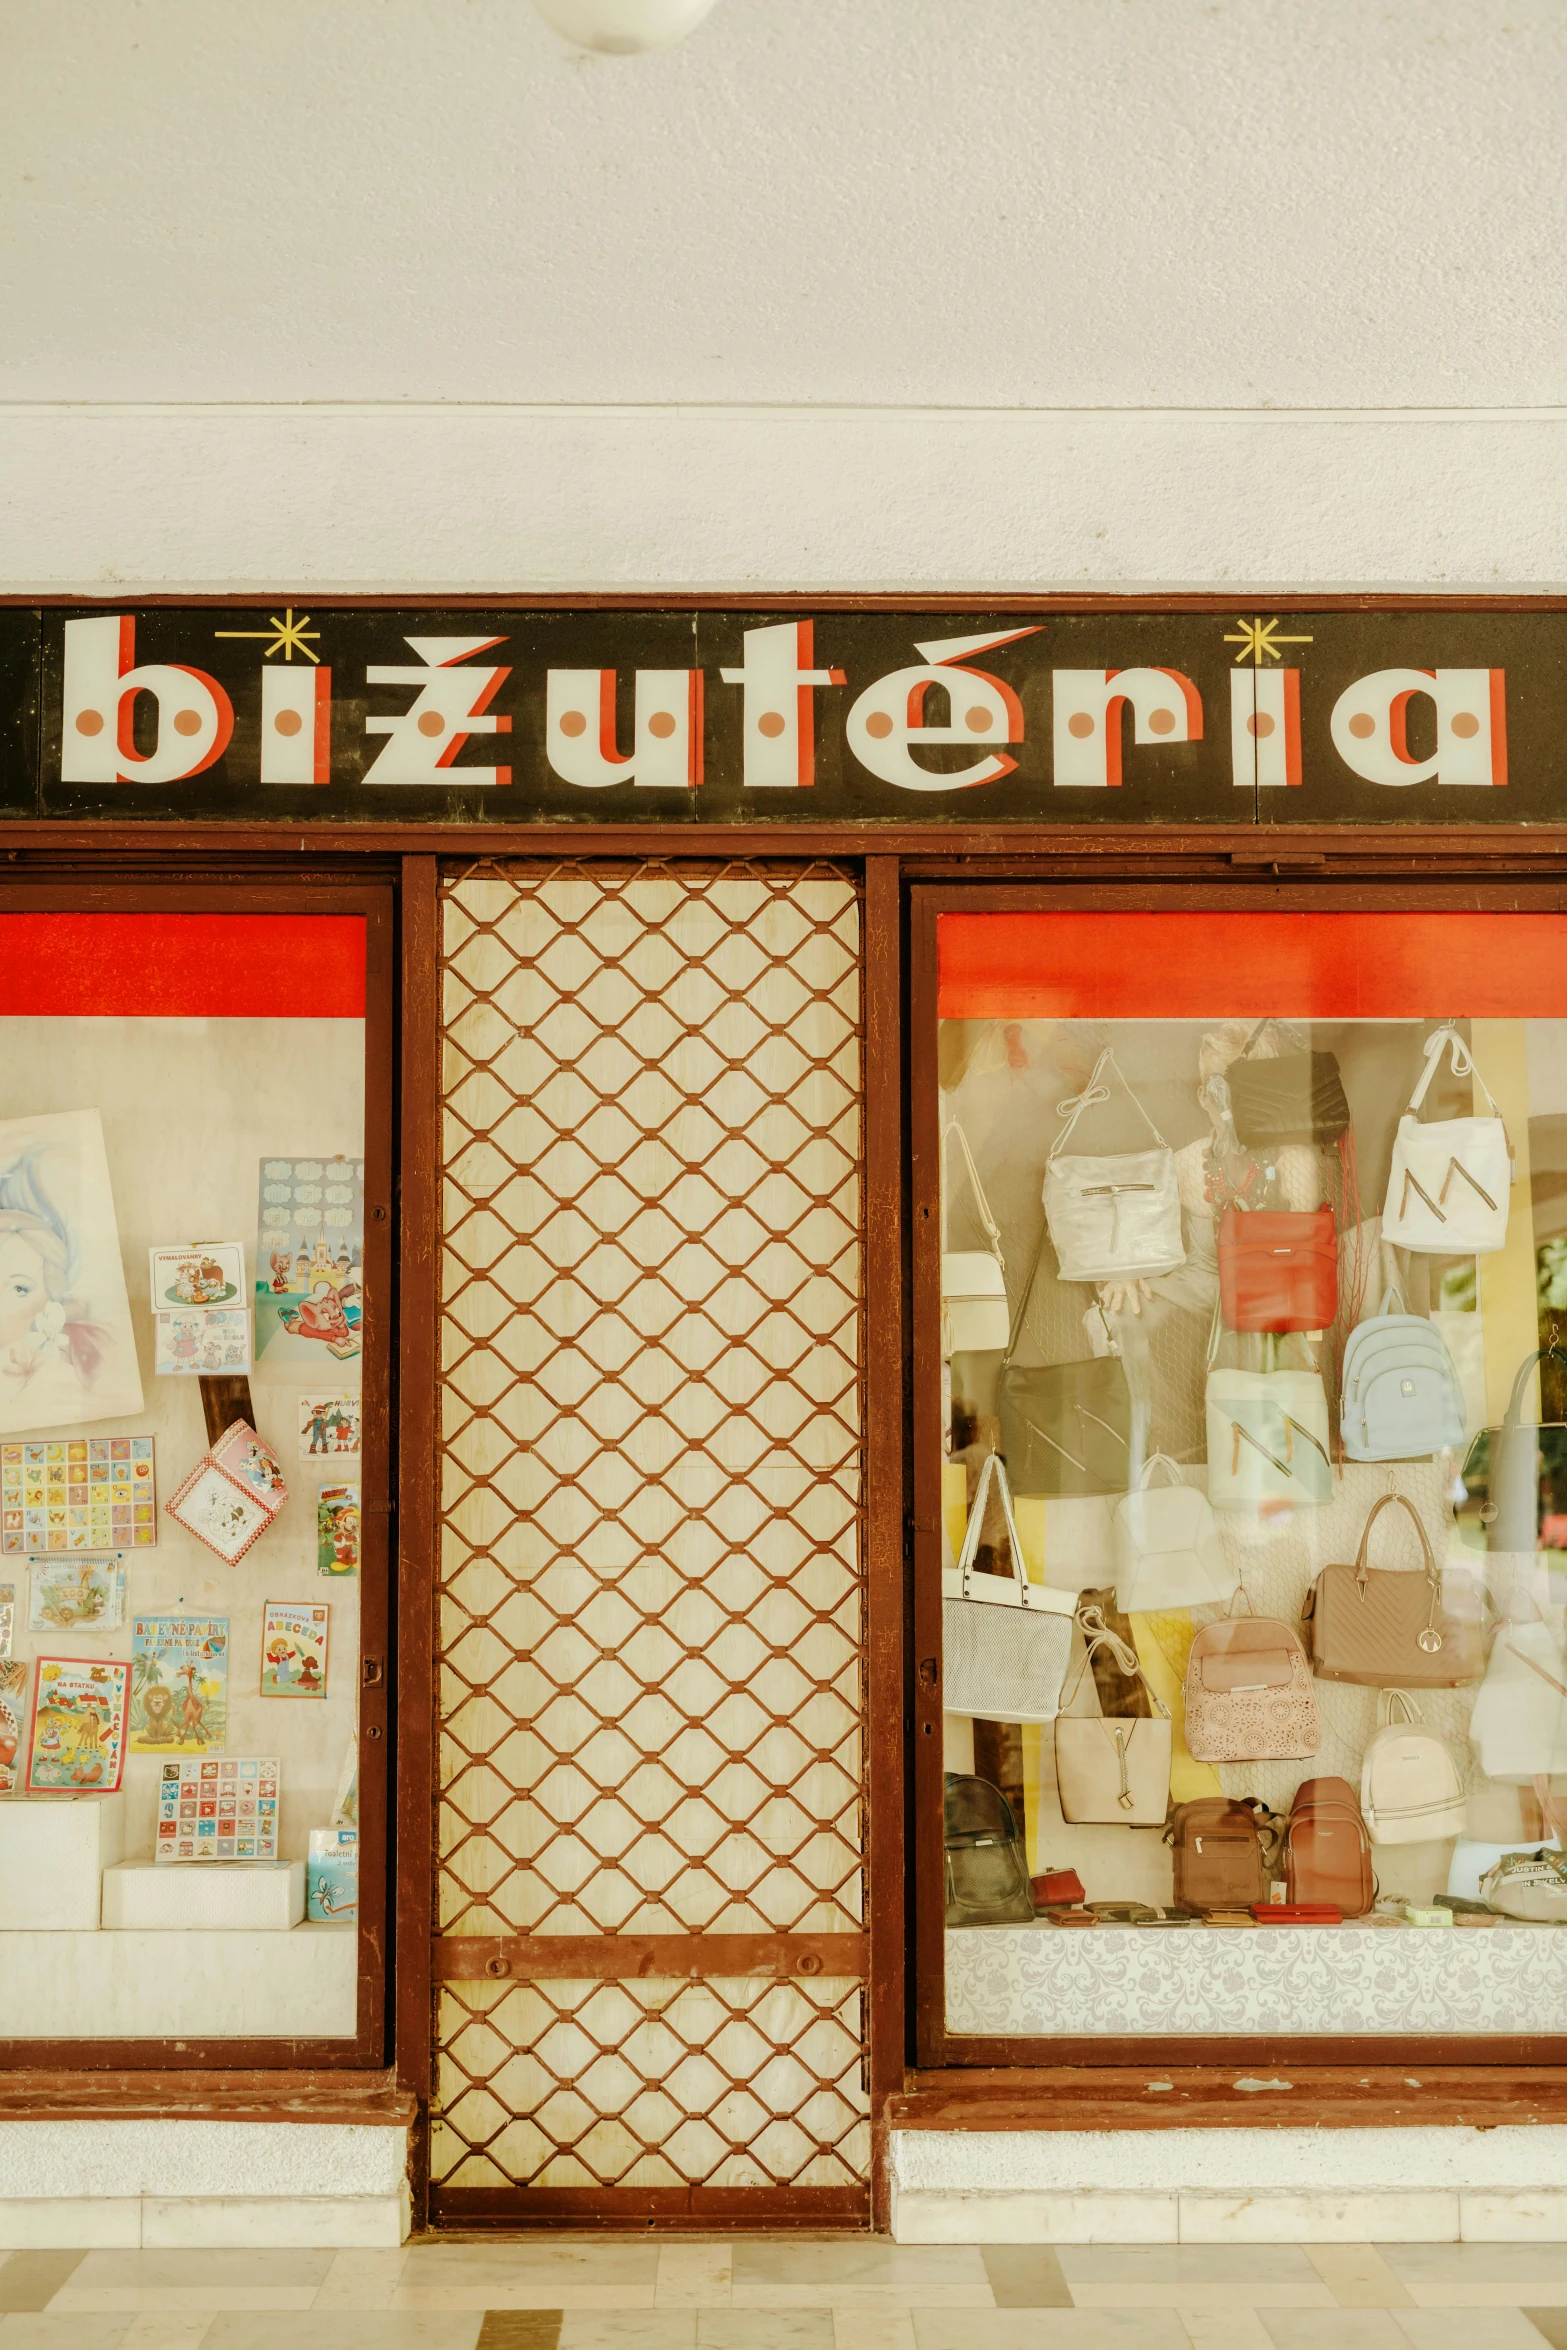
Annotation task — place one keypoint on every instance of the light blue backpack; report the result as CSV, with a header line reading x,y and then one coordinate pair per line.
x,y
1401,1395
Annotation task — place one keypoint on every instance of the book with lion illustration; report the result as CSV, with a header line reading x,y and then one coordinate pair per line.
x,y
179,1684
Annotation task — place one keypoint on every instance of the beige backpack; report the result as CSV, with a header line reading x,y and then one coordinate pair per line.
x,y
1411,1789
1249,1692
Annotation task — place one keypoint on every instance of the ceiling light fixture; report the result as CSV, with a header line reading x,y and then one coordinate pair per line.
x,y
623,28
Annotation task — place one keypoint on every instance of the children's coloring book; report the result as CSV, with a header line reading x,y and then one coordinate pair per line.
x,y
76,1595
221,1809
328,1425
179,1684
310,1260
293,1648
77,1738
95,1493
13,1714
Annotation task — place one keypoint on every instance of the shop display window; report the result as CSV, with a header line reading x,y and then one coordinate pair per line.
x,y
1252,1355
193,1334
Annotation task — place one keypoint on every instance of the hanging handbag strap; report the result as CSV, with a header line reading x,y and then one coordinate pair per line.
x,y
1554,1353
1428,1639
1388,1699
994,1466
1093,1093
992,1229
1462,1064
1158,1460
1096,1635
1261,1030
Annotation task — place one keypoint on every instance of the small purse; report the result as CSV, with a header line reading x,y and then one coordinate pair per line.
x,y
973,1281
1297,1098
1112,1767
1278,1271
1005,1644
1387,1629
1249,1695
1112,1218
1167,1548
1447,1190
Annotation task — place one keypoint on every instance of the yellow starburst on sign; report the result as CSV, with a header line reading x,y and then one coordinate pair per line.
x,y
288,635
1259,637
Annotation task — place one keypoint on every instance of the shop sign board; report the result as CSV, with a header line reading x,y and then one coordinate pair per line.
x,y
312,712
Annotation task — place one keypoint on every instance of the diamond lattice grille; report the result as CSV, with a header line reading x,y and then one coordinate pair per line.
x,y
650,1626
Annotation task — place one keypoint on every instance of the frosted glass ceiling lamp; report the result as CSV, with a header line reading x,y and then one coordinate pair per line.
x,y
623,28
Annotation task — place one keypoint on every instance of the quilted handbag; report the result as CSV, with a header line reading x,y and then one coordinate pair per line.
x,y
1519,1723
1112,1767
1005,1643
1447,1190
1111,1219
1167,1548
1278,1271
1249,1693
1400,1391
1395,1630
1267,1439
1297,1098
973,1281
1066,1428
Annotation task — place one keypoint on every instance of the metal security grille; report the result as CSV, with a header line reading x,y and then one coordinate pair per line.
x,y
650,1922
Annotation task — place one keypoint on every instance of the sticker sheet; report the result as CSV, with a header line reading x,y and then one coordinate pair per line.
x,y
200,1345
77,1595
76,1743
293,1648
67,1347
203,1273
179,1684
310,1260
221,1809
337,1530
78,1493
328,1425
224,1515
13,1714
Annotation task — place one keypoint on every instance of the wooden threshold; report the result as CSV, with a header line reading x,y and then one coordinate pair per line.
x,y
1265,2096
371,2098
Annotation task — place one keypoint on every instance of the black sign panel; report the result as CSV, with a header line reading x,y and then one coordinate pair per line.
x,y
305,713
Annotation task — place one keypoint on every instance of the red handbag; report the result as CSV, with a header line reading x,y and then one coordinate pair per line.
x,y
1278,1271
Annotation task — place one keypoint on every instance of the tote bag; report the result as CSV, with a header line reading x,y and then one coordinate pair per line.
x,y
1111,1218
973,1281
1167,1548
1004,1644
1066,1428
1519,1723
1267,1435
1447,1191
1112,1767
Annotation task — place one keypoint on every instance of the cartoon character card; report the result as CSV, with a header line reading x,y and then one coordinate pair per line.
x,y
310,1260
293,1648
77,1741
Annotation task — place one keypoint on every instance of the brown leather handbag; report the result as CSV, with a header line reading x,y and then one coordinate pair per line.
x,y
1395,1630
1220,1852
1327,1852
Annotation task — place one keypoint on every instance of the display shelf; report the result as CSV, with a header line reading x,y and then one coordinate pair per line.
x,y
151,1985
1016,1980
215,1896
53,1852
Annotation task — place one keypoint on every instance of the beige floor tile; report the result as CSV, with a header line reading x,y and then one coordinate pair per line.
x,y
1448,2263
883,2329
142,2270
1358,2277
162,2329
1551,2323
1195,2264
360,2280
1049,2329
1324,2329
630,2329
1464,2328
694,2276
1257,2293
1025,2276
1225,2329
30,2280
521,2292
186,2300
570,2260
29,2330
1491,2293
765,2329
344,2330
857,2272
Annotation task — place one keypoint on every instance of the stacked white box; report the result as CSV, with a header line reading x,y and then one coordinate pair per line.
x,y
53,1852
220,1896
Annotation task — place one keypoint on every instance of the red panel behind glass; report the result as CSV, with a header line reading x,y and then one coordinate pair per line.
x,y
1217,966
184,966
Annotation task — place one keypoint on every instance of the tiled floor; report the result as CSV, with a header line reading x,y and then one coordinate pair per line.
x,y
792,2293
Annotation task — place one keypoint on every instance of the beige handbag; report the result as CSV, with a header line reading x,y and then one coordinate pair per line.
x,y
1393,1630
974,1315
1112,1767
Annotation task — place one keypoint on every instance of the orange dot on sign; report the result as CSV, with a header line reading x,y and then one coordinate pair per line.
x,y
661,724
432,723
878,724
1161,721
1080,724
1261,725
978,722
187,722
89,722
288,722
573,722
1466,724
770,723
1360,726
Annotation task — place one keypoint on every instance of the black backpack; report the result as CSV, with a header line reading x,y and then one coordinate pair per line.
x,y
987,1867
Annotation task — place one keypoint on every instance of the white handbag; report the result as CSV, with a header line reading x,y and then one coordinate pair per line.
x,y
1167,1548
1111,1218
1447,1190
1005,1642
1411,1788
1112,1766
974,1315
1267,1436
1519,1722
